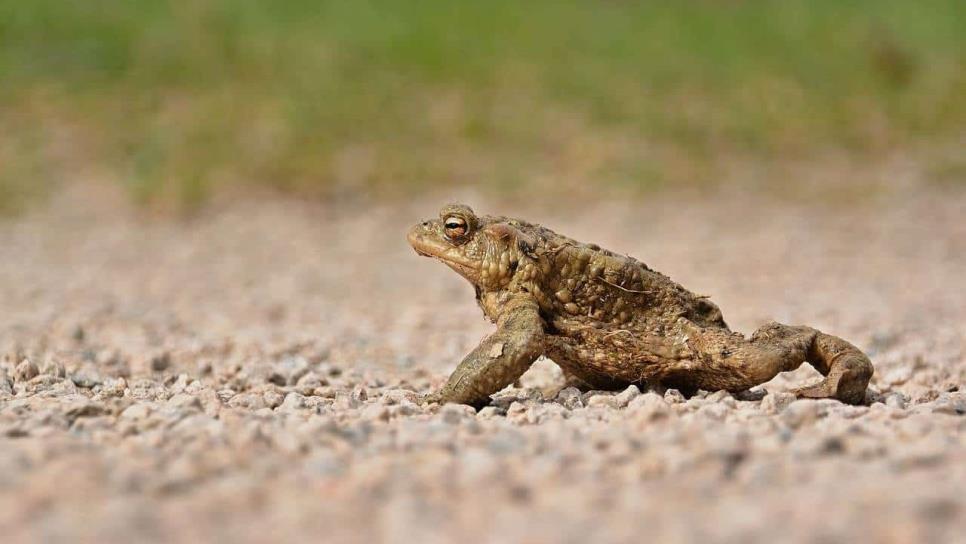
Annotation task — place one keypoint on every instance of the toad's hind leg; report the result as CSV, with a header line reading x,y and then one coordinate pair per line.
x,y
726,360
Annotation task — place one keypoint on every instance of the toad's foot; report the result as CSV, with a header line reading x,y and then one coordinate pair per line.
x,y
848,375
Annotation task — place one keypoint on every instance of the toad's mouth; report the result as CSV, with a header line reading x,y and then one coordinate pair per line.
x,y
427,244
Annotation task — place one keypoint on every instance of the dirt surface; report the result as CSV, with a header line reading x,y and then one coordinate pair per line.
x,y
249,376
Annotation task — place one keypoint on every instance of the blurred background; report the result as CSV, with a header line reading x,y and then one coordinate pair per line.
x,y
213,330
176,100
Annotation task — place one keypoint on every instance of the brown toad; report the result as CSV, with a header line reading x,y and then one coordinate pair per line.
x,y
608,320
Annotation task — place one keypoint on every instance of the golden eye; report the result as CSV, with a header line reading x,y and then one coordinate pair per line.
x,y
454,226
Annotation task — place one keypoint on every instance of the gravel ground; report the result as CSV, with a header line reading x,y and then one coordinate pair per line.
x,y
249,376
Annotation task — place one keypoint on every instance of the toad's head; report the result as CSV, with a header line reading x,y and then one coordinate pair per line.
x,y
486,251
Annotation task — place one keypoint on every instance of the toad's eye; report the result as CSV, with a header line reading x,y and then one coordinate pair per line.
x,y
454,226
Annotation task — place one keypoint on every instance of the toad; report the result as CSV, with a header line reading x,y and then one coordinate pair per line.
x,y
608,320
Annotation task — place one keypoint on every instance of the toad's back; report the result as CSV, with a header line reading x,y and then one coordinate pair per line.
x,y
584,285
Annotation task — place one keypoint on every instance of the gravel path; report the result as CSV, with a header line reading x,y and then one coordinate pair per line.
x,y
249,376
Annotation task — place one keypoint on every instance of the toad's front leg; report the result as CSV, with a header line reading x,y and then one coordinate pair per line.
x,y
500,359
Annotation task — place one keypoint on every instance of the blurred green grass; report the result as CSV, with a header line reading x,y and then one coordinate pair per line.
x,y
175,98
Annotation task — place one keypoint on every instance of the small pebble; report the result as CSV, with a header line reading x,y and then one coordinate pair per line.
x,y
488,412
455,413
292,402
801,412
182,401
52,367
6,384
774,403
627,395
160,362
86,376
25,371
375,412
273,399
570,398
603,401
649,406
673,396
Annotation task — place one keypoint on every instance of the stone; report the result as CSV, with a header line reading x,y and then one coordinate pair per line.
x,y
6,384
25,371
751,395
455,413
404,408
359,394
114,387
183,401
896,400
516,413
715,412
226,394
375,412
570,398
603,401
136,411
84,408
250,401
673,396
160,362
346,400
289,370
722,397
86,376
950,404
310,381
774,403
627,395
398,396
292,402
52,367
649,406
273,399
802,412
489,412
896,376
